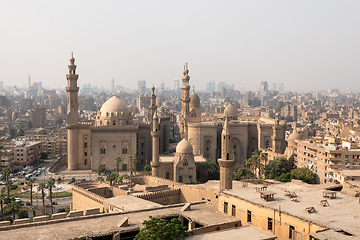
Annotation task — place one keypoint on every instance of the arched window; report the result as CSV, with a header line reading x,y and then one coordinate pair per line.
x,y
102,150
185,163
124,150
114,123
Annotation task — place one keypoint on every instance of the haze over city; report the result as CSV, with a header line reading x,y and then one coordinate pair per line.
x,y
307,45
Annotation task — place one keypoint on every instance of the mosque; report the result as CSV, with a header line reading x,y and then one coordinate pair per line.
x,y
226,138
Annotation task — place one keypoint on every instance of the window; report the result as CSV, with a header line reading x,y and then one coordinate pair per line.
x,y
225,207
270,224
85,144
114,123
185,163
180,178
248,216
124,150
267,144
85,154
233,210
142,144
102,150
84,161
291,232
167,175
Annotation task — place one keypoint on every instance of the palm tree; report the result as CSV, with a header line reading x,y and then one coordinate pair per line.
x,y
111,177
2,200
8,184
42,188
100,179
30,183
255,161
209,168
131,169
13,205
33,208
6,172
117,164
50,185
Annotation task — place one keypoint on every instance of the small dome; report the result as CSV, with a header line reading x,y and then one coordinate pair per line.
x,y
194,100
184,146
230,111
113,105
295,135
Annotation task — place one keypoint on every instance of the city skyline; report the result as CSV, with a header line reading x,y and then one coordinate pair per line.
x,y
308,46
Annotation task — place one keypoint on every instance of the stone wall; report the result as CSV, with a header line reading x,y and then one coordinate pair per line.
x,y
83,199
165,197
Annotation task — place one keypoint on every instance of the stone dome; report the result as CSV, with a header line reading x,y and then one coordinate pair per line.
x,y
295,135
114,105
194,100
230,111
184,146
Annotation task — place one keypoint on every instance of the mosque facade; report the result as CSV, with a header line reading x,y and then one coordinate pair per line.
x,y
114,132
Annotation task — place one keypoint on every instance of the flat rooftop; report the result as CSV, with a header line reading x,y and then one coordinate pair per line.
x,y
131,203
342,214
103,224
245,233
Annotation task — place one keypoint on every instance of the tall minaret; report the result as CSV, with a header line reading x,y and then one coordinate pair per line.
x,y
72,116
152,106
276,137
185,101
227,159
72,93
155,133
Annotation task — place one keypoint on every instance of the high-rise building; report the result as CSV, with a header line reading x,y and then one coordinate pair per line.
x,y
175,85
141,87
113,85
162,86
281,87
219,86
273,86
210,86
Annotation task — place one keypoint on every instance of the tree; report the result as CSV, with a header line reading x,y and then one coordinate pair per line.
x,y
8,184
6,172
50,185
277,167
243,173
23,213
33,209
157,229
191,181
2,200
59,180
133,161
42,188
304,174
44,155
210,168
13,205
72,180
147,168
101,169
100,179
30,183
19,133
255,161
117,164
111,177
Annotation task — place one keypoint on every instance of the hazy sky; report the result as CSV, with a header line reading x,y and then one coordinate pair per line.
x,y
307,45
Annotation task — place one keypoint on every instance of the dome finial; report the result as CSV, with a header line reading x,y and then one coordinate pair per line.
x,y
153,89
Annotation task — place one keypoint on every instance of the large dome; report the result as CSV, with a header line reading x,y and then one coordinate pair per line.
x,y
230,111
184,146
114,105
194,100
295,135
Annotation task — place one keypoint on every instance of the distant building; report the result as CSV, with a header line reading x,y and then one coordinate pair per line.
x,y
1,85
26,153
281,87
175,85
38,117
141,87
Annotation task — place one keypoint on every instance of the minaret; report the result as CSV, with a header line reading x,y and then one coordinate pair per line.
x,y
226,162
72,93
72,116
152,106
276,137
185,100
155,133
